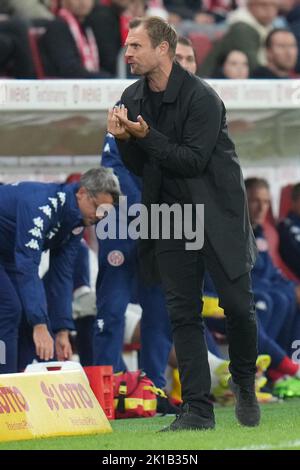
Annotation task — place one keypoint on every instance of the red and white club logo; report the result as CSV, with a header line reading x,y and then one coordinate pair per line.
x,y
115,258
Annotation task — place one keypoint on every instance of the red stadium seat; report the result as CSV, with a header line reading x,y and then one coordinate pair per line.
x,y
202,46
73,178
272,237
35,34
270,217
285,201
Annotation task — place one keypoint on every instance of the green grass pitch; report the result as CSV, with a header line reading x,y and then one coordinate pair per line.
x,y
279,429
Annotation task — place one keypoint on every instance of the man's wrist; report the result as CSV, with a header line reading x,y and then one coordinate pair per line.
x,y
40,326
123,139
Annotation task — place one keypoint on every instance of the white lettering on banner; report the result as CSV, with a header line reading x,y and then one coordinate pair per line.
x,y
296,92
76,94
89,95
19,94
3,95
64,95
258,94
46,95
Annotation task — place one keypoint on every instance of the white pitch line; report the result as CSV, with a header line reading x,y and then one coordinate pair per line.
x,y
268,446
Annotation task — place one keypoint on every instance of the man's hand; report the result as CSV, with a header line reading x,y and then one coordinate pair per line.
x,y
114,126
44,345
63,346
138,129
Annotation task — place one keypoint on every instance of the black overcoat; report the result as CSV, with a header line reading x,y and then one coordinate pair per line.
x,y
190,142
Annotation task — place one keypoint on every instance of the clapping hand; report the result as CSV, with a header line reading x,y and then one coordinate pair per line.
x,y
114,125
138,129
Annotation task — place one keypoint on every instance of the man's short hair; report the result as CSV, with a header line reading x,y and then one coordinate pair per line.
x,y
158,30
268,42
256,183
101,180
184,41
295,194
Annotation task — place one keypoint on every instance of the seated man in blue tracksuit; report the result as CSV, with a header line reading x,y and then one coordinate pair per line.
x,y
269,285
289,233
35,217
118,284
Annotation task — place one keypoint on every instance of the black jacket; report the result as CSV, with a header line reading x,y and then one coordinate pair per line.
x,y
191,143
105,22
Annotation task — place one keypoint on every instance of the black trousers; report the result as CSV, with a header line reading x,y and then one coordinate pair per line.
x,y
182,274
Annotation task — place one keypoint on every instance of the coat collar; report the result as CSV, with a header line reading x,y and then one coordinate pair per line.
x,y
174,83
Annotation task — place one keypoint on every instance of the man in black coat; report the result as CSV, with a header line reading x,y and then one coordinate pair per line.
x,y
171,130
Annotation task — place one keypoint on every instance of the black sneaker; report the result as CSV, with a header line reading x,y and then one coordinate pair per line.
x,y
188,421
165,407
247,409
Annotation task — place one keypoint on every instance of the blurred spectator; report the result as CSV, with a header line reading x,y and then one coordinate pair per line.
x,y
289,232
235,66
282,52
109,24
187,10
249,27
185,54
266,278
293,20
69,47
31,9
200,11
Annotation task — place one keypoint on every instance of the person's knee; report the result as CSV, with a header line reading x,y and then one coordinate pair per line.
x,y
239,311
184,311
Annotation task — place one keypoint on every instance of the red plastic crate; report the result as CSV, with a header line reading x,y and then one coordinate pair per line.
x,y
101,382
